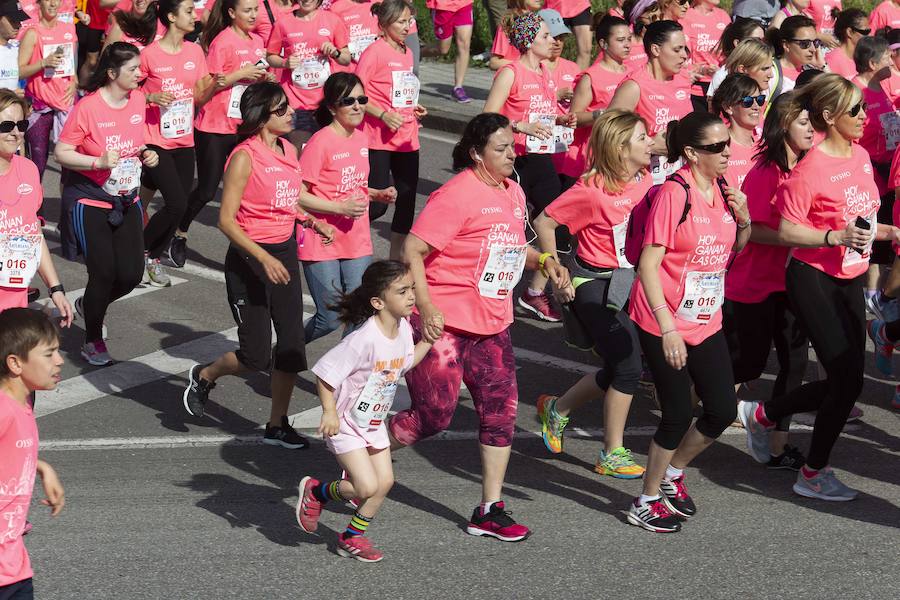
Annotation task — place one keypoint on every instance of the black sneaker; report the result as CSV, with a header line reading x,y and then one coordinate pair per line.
x,y
653,516
676,497
496,523
285,436
789,460
176,254
197,392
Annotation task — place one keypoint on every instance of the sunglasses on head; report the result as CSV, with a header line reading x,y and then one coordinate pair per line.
x,y
862,105
862,31
747,101
805,44
281,110
7,126
716,148
350,101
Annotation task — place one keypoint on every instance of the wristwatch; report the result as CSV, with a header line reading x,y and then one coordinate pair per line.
x,y
56,288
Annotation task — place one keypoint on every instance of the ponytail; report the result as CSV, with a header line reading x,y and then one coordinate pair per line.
x,y
688,131
356,306
217,21
141,28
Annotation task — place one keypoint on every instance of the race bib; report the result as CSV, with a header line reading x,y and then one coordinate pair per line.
x,y
619,232
124,177
177,120
234,101
66,68
311,74
660,168
502,271
374,402
358,44
563,137
21,256
66,17
704,293
852,257
404,89
890,123
535,145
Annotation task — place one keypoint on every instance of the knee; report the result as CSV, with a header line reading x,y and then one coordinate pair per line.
x,y
674,424
411,425
497,431
717,416
385,484
365,487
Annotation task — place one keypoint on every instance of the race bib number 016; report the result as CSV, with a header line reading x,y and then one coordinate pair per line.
x,y
704,293
404,89
502,271
177,120
20,256
311,74
124,177
375,401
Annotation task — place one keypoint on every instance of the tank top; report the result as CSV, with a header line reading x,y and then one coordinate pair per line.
x,y
532,97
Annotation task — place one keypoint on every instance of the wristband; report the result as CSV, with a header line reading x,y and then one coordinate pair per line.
x,y
666,332
745,225
381,116
541,260
56,288
659,308
827,243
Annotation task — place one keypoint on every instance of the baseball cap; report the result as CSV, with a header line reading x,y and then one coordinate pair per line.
x,y
12,10
554,22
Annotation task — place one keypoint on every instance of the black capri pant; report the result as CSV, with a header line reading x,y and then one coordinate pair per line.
x,y
404,167
257,304
709,368
173,177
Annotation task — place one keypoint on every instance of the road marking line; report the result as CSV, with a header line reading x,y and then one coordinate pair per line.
x,y
436,137
74,295
219,276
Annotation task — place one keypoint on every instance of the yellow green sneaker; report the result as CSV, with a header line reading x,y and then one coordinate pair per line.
x,y
619,464
552,423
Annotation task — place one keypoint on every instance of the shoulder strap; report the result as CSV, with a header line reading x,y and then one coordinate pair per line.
x,y
269,10
687,195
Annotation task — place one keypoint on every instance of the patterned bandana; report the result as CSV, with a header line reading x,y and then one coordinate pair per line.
x,y
523,31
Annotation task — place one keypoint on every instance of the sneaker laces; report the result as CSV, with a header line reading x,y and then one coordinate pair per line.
x,y
620,457
555,421
500,516
680,488
100,347
659,509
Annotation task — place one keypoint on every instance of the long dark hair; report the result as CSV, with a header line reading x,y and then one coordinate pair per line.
x,y
139,27
166,7
217,21
111,59
475,136
737,30
777,36
773,144
355,307
256,106
688,131
337,87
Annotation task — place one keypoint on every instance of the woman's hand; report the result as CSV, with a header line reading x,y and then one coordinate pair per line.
x,y
674,350
53,489
83,17
329,50
737,200
565,94
432,323
108,160
566,294
275,270
293,61
150,158
325,231
354,207
853,237
161,98
558,274
65,309
420,111
393,120
255,73
329,425
53,60
387,195
538,130
567,120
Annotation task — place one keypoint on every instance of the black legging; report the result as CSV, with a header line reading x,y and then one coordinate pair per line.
x,y
709,368
832,312
212,153
539,180
173,178
404,166
114,257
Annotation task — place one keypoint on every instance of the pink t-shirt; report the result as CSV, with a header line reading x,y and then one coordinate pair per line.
x,y
661,101
176,74
503,48
603,86
336,168
886,14
21,196
365,369
95,127
880,110
478,246
263,27
758,271
894,183
531,94
48,87
824,192
820,11
19,447
891,86
228,52
293,35
386,73
693,268
564,76
598,219
838,62
447,5
739,163
362,27
703,30
268,208
789,71
637,58
99,16
568,8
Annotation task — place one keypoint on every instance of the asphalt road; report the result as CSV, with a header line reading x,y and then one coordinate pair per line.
x,y
164,505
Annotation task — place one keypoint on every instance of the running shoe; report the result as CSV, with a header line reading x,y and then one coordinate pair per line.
x,y
884,309
653,516
884,348
156,274
895,401
176,254
483,57
540,306
757,433
79,308
496,523
618,464
553,424
460,95
824,486
791,460
285,436
308,507
196,394
676,497
856,413
358,547
96,353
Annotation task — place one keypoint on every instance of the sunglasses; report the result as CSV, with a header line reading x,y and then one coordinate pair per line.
x,y
716,148
350,101
747,101
280,111
7,126
684,2
805,44
862,105
862,31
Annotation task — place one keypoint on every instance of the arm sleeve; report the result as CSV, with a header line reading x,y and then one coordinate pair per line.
x,y
572,209
441,219
793,200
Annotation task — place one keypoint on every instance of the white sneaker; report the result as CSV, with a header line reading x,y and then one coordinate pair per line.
x,y
824,486
156,274
80,310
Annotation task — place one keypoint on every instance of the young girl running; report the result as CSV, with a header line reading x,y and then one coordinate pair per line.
x,y
356,382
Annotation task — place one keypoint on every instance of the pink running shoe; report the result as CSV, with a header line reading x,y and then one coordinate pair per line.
x,y
540,306
358,547
496,523
308,508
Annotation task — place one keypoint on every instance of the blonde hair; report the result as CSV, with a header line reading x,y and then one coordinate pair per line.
x,y
750,53
829,92
608,145
9,98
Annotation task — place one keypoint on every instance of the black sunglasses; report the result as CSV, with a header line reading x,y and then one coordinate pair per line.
x,y
805,44
684,2
862,31
350,101
747,101
7,126
862,105
280,111
716,148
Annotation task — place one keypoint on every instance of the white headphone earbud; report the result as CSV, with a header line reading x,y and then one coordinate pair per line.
x,y
478,157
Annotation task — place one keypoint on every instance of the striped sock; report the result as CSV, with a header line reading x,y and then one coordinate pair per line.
x,y
328,491
358,525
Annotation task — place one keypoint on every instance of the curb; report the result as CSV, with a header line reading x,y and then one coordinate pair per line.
x,y
442,120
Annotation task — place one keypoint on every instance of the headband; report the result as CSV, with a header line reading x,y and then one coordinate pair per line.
x,y
639,8
523,30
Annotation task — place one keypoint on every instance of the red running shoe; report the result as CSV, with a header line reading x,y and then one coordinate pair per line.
x,y
308,508
496,523
540,306
358,547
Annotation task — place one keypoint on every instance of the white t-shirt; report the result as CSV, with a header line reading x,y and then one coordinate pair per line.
x,y
9,65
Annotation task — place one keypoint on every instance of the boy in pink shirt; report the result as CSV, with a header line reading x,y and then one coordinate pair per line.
x,y
29,347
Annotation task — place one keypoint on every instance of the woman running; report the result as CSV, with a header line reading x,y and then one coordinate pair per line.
x,y
796,45
739,101
140,25
596,211
362,27
502,52
103,144
695,223
736,32
851,26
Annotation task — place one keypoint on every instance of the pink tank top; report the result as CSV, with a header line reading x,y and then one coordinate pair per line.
x,y
531,94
